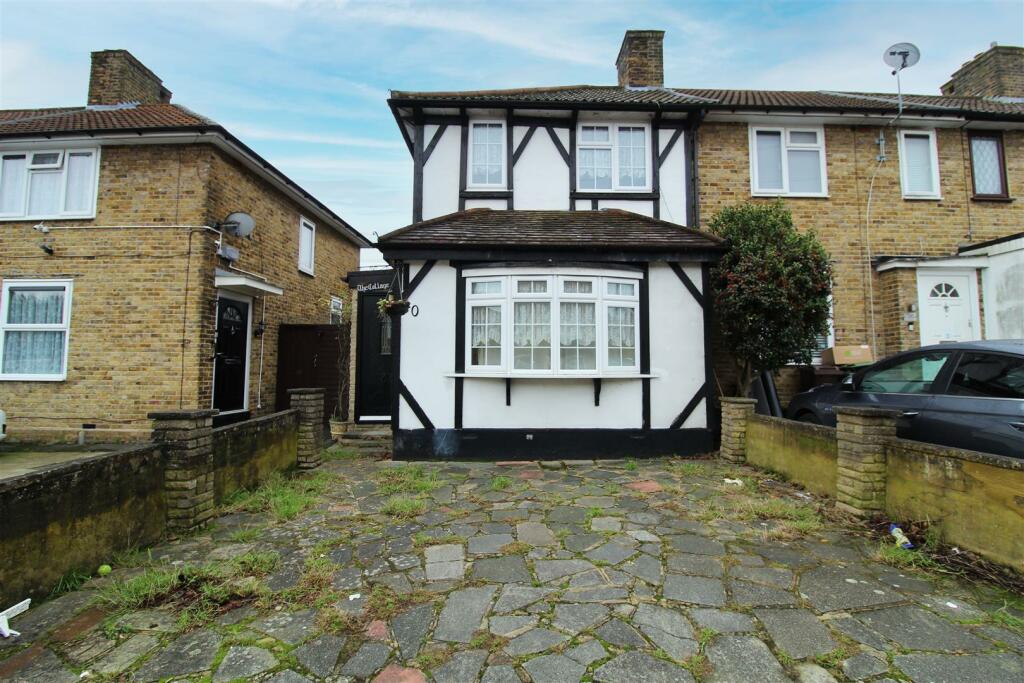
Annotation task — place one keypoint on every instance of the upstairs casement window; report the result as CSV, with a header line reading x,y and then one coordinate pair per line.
x,y
919,164
487,154
788,162
48,183
552,325
613,157
35,320
307,245
988,165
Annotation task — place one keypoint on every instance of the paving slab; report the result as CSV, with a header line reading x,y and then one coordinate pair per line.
x,y
367,660
462,667
500,673
244,662
638,667
535,533
410,629
930,668
722,621
587,653
554,669
796,631
488,544
617,632
575,618
742,659
462,614
507,569
291,627
515,597
697,590
320,655
190,653
536,640
831,588
551,570
918,629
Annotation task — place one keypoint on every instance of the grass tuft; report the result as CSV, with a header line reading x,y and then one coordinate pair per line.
x,y
897,556
407,479
501,483
283,497
404,506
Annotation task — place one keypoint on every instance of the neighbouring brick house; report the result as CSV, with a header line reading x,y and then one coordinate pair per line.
x,y
124,289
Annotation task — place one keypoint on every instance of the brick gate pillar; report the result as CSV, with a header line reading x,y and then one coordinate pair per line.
x,y
187,442
862,434
310,403
735,413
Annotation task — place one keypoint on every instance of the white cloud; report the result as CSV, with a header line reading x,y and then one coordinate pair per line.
x,y
31,78
245,130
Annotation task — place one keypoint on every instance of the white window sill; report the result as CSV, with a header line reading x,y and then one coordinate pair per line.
x,y
11,219
486,188
33,378
306,272
923,197
789,195
615,190
507,375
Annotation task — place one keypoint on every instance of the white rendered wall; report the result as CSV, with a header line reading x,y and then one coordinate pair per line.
x,y
643,207
441,173
673,180
541,178
677,346
428,348
498,204
1003,290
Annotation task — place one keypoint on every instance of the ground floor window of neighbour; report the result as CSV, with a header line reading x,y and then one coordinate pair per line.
x,y
553,324
35,317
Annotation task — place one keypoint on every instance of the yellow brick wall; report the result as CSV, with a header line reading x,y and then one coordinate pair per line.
x,y
898,226
139,342
273,252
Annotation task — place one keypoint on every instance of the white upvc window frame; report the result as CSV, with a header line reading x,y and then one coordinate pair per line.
x,y
471,154
613,145
306,224
555,295
485,299
785,136
61,166
64,326
933,144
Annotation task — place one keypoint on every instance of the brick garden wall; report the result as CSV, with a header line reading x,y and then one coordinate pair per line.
x,y
246,453
972,498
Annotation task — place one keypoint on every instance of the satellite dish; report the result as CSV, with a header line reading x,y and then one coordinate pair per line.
x,y
239,224
901,55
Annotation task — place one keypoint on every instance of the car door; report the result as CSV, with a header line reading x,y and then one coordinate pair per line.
x,y
981,408
905,384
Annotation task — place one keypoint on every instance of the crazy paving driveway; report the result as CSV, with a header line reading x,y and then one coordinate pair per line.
x,y
618,572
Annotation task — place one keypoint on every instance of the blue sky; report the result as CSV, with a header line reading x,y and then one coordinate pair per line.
x,y
304,82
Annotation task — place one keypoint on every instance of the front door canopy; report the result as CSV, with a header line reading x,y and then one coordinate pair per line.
x,y
247,285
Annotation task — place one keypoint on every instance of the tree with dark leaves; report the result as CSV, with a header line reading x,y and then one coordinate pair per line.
x,y
771,289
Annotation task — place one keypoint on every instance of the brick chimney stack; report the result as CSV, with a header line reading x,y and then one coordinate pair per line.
x,y
640,62
117,76
997,72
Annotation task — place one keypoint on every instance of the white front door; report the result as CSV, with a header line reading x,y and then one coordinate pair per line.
x,y
948,301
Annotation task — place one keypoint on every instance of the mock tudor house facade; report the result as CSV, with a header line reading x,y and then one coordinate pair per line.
x,y
548,225
125,288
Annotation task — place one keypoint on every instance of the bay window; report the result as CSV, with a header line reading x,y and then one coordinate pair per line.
x,y
487,154
612,157
535,324
788,162
919,164
35,318
51,183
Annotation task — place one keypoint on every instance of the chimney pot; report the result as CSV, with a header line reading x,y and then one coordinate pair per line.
x,y
117,77
640,62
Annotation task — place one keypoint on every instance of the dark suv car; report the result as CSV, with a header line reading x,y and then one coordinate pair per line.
x,y
966,395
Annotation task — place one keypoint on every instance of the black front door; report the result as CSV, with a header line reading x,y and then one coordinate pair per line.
x,y
373,370
231,362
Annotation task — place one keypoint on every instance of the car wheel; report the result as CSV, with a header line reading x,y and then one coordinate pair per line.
x,y
809,418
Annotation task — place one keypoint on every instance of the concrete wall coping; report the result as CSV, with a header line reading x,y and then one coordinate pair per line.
x,y
822,430
190,414
738,400
248,424
1003,461
866,412
310,390
61,468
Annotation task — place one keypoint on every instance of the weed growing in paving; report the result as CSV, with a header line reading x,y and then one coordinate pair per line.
x,y
515,548
340,454
688,469
404,506
71,581
631,465
283,497
407,479
246,535
422,540
501,483
897,556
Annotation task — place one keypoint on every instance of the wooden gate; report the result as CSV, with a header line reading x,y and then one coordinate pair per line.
x,y
314,356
